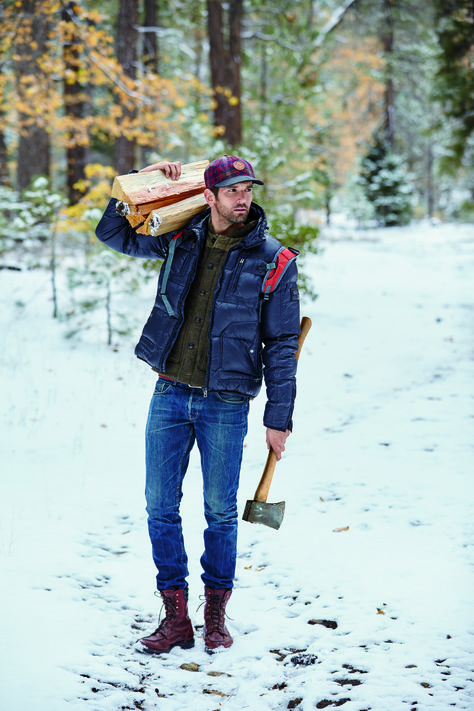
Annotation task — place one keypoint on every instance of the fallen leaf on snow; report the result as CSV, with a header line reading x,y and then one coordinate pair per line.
x,y
330,624
215,693
218,673
190,666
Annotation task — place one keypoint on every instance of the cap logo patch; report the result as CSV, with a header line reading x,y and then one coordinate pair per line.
x,y
238,165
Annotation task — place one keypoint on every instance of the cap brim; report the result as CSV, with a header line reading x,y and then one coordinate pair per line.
x,y
238,179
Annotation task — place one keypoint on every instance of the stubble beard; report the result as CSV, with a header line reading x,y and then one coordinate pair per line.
x,y
231,217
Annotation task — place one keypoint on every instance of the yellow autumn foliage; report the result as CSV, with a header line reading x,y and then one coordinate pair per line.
x,y
351,107
140,107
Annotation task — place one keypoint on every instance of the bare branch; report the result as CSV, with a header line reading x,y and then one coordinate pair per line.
x,y
335,20
95,60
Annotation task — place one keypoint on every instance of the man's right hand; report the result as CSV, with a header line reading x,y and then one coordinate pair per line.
x,y
171,170
276,441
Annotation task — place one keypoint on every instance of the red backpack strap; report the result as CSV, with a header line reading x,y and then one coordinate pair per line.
x,y
276,269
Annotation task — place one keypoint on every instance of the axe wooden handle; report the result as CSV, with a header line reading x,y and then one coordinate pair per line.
x,y
263,487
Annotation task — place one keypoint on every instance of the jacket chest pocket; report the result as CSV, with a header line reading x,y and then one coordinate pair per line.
x,y
246,279
236,274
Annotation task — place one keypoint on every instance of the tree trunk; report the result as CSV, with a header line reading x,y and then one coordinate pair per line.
x,y
108,310
150,60
74,106
430,191
127,20
150,39
263,84
387,36
199,41
30,47
225,61
4,176
234,62
53,267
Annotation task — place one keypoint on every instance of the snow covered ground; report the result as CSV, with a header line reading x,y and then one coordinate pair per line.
x,y
362,600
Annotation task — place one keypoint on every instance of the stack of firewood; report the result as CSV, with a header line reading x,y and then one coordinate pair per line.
x,y
156,204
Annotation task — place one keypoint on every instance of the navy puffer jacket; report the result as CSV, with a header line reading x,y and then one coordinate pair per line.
x,y
249,336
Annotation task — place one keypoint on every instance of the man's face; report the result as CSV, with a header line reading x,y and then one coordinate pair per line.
x,y
231,205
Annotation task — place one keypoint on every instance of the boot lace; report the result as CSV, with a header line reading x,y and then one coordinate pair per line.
x,y
168,605
216,614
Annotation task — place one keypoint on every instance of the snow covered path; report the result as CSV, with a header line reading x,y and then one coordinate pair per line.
x,y
362,600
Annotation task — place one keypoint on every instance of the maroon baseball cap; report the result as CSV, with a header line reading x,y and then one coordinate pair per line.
x,y
229,170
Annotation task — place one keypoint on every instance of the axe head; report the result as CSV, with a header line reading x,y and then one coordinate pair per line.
x,y
268,514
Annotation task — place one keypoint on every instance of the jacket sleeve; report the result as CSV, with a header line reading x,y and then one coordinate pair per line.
x,y
116,232
280,331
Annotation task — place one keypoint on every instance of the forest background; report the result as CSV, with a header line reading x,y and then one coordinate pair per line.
x,y
364,106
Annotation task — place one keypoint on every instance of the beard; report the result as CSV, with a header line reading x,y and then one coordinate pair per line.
x,y
230,214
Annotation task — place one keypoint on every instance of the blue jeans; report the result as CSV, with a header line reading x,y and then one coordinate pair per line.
x,y
178,417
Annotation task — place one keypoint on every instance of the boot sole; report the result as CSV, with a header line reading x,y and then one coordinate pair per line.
x,y
188,644
217,650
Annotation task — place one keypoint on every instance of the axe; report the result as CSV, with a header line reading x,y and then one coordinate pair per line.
x,y
258,510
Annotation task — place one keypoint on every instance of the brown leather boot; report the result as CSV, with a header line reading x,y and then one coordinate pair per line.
x,y
176,629
216,633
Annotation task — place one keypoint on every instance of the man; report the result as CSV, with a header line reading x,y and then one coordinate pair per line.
x,y
218,324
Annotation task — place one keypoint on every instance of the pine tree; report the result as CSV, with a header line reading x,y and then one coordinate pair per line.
x,y
454,85
455,78
386,184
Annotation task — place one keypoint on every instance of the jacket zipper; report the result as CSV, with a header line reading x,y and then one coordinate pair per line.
x,y
237,273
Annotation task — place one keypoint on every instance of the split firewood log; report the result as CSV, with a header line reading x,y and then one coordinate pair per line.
x,y
144,192
136,220
172,217
156,204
